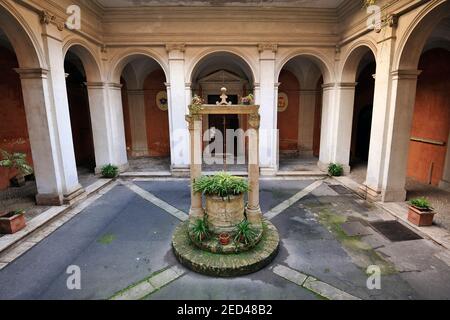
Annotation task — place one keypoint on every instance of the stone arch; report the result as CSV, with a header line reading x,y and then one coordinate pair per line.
x,y
20,35
318,58
247,65
411,45
353,59
88,58
121,60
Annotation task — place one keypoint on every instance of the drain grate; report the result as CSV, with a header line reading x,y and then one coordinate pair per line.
x,y
340,189
395,231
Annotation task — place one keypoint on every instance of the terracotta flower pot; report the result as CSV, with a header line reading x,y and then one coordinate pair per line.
x,y
421,217
11,223
224,239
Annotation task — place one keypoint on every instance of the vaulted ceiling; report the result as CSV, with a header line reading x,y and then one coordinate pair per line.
x,y
249,3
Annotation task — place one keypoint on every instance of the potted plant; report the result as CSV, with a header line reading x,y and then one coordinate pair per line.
x,y
224,238
199,230
335,170
110,171
248,100
17,161
12,222
420,212
224,200
245,234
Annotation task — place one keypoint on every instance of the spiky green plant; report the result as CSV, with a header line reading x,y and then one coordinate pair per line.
x,y
222,184
199,230
16,160
245,233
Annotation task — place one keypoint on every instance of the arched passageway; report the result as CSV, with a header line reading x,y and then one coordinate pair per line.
x,y
80,118
299,114
213,72
146,113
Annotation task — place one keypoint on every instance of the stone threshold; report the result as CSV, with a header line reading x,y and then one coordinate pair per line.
x,y
399,210
168,174
7,241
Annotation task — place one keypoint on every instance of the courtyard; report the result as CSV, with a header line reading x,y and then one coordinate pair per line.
x,y
120,238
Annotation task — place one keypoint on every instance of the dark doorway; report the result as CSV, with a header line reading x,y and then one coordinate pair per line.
x,y
80,118
364,127
224,122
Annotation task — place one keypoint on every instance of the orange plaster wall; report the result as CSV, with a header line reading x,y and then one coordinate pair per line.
x,y
431,117
288,120
156,119
13,125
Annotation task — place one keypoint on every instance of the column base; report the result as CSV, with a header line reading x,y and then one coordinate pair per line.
x,y
254,216
196,214
181,171
268,171
74,196
49,199
371,194
393,195
444,185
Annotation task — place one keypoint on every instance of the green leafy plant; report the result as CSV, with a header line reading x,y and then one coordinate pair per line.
x,y
16,160
245,233
335,170
421,203
110,171
199,230
223,185
248,99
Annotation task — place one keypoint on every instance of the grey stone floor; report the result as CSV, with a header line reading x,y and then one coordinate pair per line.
x,y
122,239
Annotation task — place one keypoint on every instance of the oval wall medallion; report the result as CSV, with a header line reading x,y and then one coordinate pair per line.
x,y
161,101
283,102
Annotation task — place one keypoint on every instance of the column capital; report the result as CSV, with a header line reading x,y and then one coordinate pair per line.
x,y
405,74
95,85
268,47
175,47
346,85
48,18
32,73
116,86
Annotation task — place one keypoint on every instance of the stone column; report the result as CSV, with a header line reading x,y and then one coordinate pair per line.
x,y
103,142
306,121
269,113
445,182
253,210
138,123
195,130
58,114
52,150
343,124
116,125
381,104
327,131
177,109
401,109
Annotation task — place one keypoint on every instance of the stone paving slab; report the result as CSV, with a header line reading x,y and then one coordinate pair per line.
x,y
410,256
327,291
149,286
263,285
